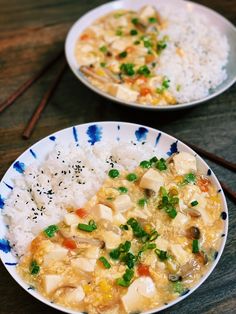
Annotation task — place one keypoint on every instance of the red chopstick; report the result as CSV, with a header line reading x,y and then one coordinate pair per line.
x,y
46,97
13,97
217,159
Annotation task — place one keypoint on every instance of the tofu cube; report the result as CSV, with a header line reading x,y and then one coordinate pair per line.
x,y
122,203
152,180
122,92
92,252
162,244
119,219
51,283
180,254
75,295
84,264
111,239
146,12
184,163
101,211
138,292
56,253
180,220
71,219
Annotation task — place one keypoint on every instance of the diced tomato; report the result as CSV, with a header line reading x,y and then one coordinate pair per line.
x,y
69,244
141,79
203,184
84,37
130,49
150,58
143,270
129,80
145,91
81,212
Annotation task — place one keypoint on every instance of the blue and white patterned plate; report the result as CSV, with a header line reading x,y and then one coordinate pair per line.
x,y
165,145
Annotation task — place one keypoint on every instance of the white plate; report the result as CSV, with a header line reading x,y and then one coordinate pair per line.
x,y
94,132
216,19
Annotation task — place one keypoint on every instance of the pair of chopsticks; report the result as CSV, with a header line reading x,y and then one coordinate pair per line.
x,y
220,161
46,97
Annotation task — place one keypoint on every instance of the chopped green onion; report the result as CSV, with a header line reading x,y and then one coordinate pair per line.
x,y
142,202
88,228
113,173
144,70
34,268
138,231
153,160
103,49
133,32
189,178
122,248
119,32
161,45
154,235
110,198
161,254
145,247
178,287
165,85
129,259
103,64
152,20
115,254
168,203
51,230
126,278
135,21
105,262
127,69
124,227
122,189
195,246
178,87
132,177
145,164
194,203
161,164
137,42
123,54
118,15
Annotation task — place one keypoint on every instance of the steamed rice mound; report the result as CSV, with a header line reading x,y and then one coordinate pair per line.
x,y
66,179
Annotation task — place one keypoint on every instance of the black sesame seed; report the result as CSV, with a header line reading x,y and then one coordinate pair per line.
x,y
223,235
215,255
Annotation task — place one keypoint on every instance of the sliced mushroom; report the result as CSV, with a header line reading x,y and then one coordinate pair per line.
x,y
189,268
150,193
174,277
89,241
194,213
193,233
89,72
110,227
114,77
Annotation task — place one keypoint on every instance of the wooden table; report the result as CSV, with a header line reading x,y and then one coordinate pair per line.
x,y
31,33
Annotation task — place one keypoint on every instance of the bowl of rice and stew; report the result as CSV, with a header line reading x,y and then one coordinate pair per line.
x,y
111,217
161,55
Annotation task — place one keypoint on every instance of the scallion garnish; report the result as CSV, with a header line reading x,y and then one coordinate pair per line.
x,y
161,164
161,254
105,262
51,230
133,32
123,54
145,164
113,173
131,177
127,69
103,49
126,278
194,203
144,70
195,246
122,189
34,268
88,228
142,202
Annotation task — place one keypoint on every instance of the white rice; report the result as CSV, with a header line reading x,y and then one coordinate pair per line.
x,y
205,53
66,179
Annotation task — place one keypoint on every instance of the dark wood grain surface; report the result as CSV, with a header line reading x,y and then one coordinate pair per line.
x,y
31,33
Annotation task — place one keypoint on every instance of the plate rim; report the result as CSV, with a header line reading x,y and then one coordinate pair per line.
x,y
42,299
135,105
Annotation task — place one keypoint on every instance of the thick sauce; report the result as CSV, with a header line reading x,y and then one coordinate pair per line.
x,y
144,239
119,54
